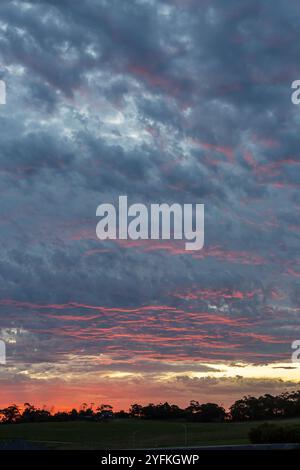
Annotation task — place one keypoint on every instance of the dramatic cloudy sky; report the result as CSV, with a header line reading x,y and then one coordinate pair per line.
x,y
183,101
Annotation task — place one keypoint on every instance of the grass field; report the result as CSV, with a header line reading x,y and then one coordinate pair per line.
x,y
129,434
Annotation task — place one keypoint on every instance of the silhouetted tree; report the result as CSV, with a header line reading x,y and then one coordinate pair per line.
x,y
31,414
11,414
285,405
104,412
122,414
73,414
266,407
136,411
161,411
209,413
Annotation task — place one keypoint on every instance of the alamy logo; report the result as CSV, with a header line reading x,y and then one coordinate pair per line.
x,y
162,221
2,92
2,352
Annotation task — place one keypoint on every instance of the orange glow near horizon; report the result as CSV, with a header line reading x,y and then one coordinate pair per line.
x,y
223,384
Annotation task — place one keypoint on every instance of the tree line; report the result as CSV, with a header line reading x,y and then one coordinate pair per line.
x,y
249,408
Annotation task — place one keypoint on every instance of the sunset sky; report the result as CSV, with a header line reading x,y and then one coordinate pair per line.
x,y
185,101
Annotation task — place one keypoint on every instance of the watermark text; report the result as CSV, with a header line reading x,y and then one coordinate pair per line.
x,y
161,221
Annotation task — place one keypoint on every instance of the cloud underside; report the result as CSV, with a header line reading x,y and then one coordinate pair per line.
x,y
163,102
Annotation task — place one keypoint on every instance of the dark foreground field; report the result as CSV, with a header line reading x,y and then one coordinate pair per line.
x,y
129,434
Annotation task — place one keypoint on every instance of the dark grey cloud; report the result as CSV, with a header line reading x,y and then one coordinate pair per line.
x,y
165,102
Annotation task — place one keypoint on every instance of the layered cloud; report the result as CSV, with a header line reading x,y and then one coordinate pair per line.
x,y
164,101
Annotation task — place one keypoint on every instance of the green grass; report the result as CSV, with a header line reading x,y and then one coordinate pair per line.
x,y
129,434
